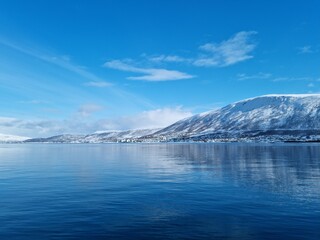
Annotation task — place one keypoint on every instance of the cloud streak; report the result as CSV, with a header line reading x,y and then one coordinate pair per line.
x,y
291,79
260,75
234,50
88,109
61,61
82,73
98,84
305,49
149,74
157,118
169,59
272,78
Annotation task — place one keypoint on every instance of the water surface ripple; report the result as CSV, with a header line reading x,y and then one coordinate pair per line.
x,y
160,191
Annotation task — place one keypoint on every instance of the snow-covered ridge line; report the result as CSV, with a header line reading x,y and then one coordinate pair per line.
x,y
269,112
316,95
100,137
274,117
293,95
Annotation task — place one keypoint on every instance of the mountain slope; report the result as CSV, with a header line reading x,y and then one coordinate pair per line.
x,y
297,113
264,118
99,137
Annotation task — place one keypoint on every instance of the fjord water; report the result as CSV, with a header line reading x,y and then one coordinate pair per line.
x,y
160,191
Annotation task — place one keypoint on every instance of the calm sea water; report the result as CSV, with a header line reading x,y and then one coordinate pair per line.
x,y
160,191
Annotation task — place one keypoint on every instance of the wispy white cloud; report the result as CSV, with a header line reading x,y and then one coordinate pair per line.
x,y
37,127
98,84
272,78
150,74
85,76
7,121
290,79
88,109
305,49
234,50
34,101
168,58
157,118
260,75
61,61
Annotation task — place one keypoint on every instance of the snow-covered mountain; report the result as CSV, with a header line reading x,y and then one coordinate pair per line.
x,y
265,118
98,137
269,115
4,138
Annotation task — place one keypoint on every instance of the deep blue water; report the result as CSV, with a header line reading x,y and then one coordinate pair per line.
x,y
160,191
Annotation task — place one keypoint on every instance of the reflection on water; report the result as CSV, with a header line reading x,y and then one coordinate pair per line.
x,y
160,191
291,169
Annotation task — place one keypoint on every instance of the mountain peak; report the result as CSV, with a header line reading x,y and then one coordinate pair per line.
x,y
292,95
289,112
273,116
282,96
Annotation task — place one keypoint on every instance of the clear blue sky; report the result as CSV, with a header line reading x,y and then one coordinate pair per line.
x,y
83,66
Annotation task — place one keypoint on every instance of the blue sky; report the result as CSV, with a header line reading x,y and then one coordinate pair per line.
x,y
85,66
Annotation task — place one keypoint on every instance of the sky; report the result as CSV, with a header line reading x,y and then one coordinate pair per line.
x,y
83,66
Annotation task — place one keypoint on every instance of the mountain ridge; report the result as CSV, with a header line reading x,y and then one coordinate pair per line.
x,y
269,118
263,113
98,137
